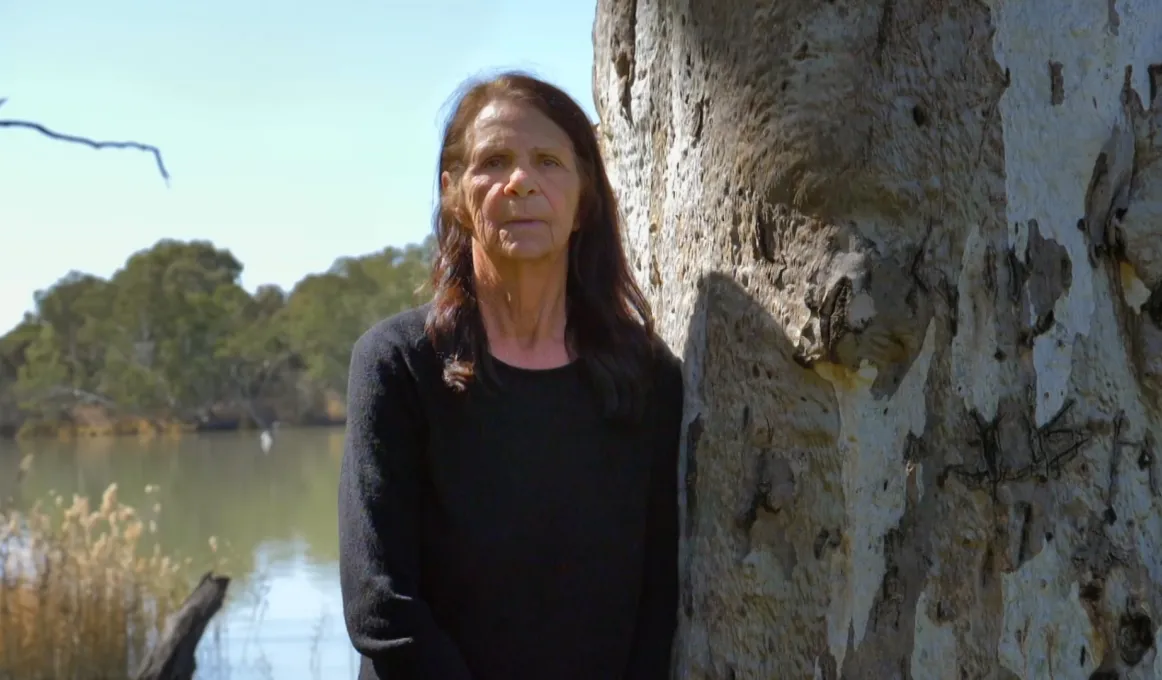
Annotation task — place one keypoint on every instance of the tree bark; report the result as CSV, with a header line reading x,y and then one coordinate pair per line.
x,y
911,251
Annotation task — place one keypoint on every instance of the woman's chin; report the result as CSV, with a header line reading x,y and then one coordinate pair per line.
x,y
530,249
526,253
529,240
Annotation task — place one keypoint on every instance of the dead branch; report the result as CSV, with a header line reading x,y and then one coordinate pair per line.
x,y
81,396
172,658
85,141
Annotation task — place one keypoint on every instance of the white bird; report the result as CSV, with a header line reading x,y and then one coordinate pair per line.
x,y
266,439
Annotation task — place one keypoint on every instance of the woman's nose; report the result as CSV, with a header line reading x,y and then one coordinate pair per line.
x,y
520,182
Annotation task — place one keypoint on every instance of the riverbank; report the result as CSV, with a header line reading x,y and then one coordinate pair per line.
x,y
88,421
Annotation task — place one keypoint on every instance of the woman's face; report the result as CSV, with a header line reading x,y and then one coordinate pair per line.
x,y
521,185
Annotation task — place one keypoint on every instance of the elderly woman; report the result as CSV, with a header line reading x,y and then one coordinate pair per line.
x,y
508,497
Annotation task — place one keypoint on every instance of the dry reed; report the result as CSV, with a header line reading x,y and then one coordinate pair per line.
x,y
81,598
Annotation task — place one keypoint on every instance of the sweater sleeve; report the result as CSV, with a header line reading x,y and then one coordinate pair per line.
x,y
379,519
657,619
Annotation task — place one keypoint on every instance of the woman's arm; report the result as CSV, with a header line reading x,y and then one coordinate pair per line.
x,y
379,487
650,658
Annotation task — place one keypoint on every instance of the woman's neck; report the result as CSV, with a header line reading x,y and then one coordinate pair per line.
x,y
523,307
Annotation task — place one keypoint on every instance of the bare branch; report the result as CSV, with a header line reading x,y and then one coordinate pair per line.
x,y
82,396
174,656
91,143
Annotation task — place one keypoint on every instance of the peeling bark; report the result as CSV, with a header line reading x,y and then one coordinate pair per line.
x,y
911,251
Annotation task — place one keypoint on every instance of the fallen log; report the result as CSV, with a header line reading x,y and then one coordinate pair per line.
x,y
172,658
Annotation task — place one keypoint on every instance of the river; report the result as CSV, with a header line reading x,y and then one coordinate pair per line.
x,y
273,514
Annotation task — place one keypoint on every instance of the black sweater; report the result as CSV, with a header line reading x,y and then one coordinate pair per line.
x,y
504,535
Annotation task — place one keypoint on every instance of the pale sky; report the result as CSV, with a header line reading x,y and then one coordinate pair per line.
x,y
295,132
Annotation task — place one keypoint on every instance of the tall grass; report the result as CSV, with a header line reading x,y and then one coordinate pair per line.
x,y
81,596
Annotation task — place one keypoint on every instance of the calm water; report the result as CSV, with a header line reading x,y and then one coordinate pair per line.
x,y
273,514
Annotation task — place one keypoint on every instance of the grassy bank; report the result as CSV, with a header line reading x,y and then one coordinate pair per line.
x,y
68,430
90,421
80,594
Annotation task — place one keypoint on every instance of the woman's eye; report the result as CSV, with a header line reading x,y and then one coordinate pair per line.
x,y
550,161
493,162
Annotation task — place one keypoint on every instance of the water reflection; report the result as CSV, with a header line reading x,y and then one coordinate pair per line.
x,y
273,515
291,628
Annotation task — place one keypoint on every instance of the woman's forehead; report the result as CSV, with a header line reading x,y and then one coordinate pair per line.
x,y
500,123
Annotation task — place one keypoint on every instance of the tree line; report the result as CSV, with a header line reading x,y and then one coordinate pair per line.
x,y
172,338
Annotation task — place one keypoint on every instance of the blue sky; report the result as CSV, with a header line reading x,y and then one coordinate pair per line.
x,y
295,132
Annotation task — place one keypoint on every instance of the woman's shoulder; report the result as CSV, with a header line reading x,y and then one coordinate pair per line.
x,y
397,340
667,367
668,398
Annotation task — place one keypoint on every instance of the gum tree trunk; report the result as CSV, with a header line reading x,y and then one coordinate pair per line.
x,y
911,251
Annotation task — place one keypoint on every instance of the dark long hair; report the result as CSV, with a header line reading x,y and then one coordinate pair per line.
x,y
610,328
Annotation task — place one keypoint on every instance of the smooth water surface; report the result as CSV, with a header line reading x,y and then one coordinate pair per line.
x,y
274,516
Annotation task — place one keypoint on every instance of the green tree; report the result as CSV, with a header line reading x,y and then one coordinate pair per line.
x,y
174,336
